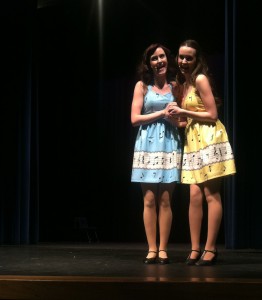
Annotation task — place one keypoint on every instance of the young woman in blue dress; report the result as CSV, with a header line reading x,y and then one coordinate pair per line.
x,y
157,150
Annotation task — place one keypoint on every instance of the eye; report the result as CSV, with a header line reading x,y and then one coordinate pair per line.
x,y
161,56
186,57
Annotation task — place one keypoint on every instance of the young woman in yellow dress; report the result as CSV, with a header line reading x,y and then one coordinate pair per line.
x,y
207,155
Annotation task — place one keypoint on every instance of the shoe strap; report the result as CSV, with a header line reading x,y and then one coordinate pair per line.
x,y
211,251
198,251
162,251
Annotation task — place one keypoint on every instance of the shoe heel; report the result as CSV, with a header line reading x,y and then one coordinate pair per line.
x,y
192,261
209,262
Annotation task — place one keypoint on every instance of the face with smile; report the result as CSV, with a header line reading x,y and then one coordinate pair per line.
x,y
186,59
158,61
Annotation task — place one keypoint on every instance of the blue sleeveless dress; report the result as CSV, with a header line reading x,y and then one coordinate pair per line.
x,y
158,147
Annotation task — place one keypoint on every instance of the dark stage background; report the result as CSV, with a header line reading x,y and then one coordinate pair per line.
x,y
86,138
67,152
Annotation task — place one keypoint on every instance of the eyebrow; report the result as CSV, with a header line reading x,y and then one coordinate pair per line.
x,y
160,55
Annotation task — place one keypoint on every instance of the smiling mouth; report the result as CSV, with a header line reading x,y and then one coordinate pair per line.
x,y
183,68
160,67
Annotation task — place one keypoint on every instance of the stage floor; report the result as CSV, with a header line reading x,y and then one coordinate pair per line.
x,y
71,271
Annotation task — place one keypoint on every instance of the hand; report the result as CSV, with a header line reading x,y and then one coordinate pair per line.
x,y
174,110
170,108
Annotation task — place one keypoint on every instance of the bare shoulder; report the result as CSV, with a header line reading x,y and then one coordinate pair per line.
x,y
177,89
201,78
139,84
202,82
173,84
141,87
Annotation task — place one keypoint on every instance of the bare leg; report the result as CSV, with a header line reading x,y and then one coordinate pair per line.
x,y
215,211
195,217
165,215
150,216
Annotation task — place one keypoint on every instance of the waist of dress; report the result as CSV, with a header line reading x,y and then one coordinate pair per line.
x,y
157,122
192,122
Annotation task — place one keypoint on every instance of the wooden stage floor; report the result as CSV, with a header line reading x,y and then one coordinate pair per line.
x,y
115,271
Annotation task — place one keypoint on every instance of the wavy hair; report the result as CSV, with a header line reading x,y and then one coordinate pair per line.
x,y
144,69
201,67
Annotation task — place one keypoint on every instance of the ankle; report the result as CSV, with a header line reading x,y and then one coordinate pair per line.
x,y
151,254
195,253
162,253
209,254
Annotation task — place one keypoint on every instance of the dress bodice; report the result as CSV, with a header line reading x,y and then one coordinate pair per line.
x,y
154,101
193,102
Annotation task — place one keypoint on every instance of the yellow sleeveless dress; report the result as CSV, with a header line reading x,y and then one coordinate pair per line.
x,y
207,151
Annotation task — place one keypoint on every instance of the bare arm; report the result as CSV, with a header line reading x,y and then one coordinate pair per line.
x,y
210,115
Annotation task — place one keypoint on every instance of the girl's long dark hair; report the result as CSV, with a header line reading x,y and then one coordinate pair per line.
x,y
144,69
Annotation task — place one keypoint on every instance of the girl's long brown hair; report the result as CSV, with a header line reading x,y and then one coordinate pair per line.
x,y
200,68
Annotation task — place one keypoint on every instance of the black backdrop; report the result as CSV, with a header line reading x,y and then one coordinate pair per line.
x,y
86,64
67,142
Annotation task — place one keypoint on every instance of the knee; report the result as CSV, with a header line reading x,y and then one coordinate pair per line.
x,y
164,203
149,203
